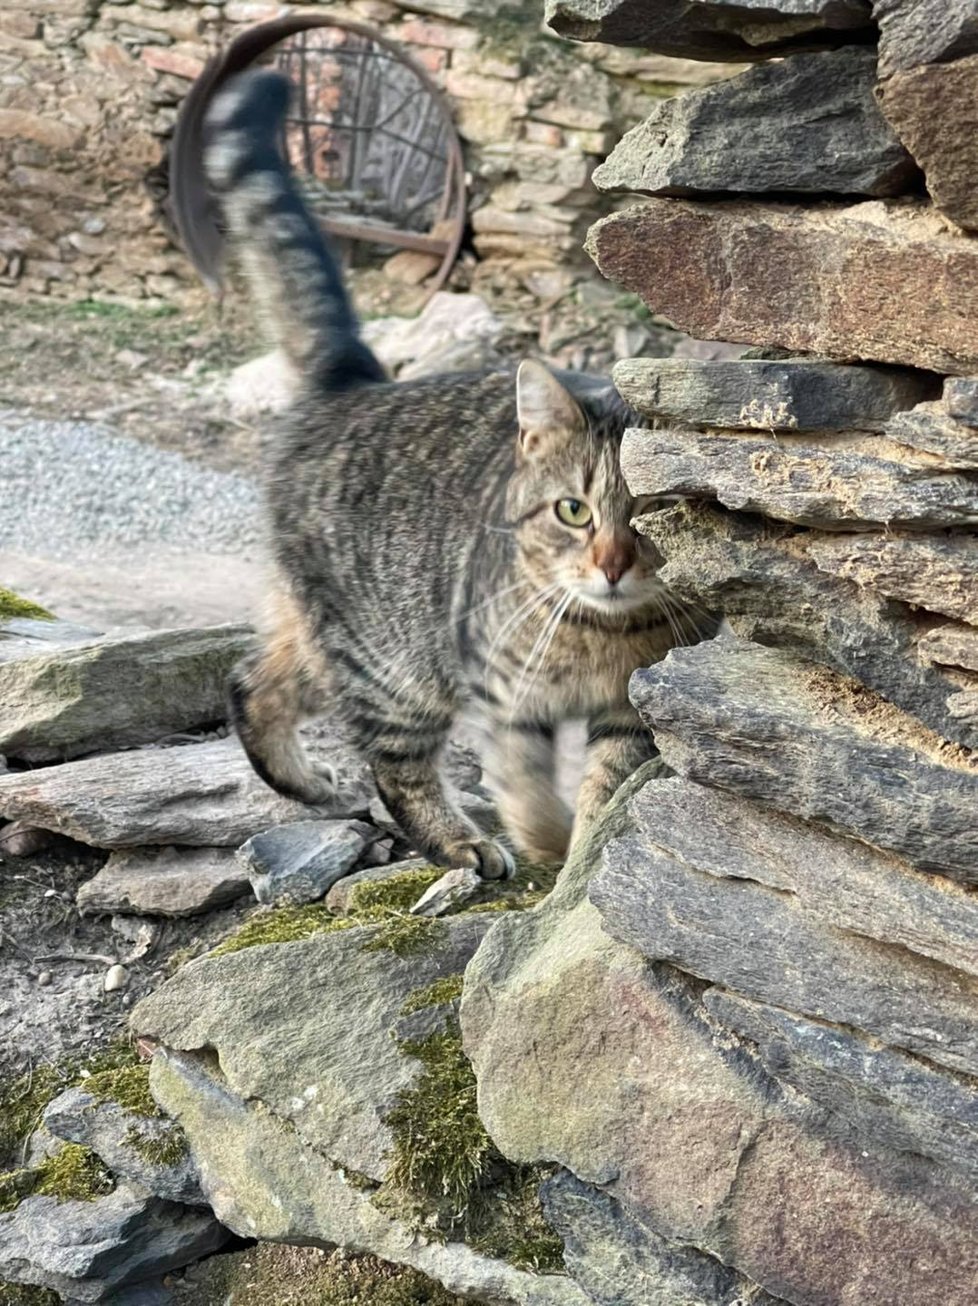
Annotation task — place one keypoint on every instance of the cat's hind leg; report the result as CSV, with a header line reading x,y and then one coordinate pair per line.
x,y
270,692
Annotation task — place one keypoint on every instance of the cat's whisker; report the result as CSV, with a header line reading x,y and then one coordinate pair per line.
x,y
514,622
538,653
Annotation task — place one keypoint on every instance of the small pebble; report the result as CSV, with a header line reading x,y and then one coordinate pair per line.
x,y
116,977
44,978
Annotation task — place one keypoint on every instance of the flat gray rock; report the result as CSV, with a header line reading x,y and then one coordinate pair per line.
x,y
808,124
813,485
931,427
262,1010
762,942
892,1099
751,720
91,1251
731,32
205,795
774,586
914,32
301,861
165,882
116,692
935,572
769,395
24,636
125,1141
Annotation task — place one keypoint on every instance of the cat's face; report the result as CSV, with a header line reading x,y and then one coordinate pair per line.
x,y
570,505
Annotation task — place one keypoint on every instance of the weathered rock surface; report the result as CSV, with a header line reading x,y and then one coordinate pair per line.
x,y
882,1095
737,896
751,720
917,32
261,1010
961,398
116,692
24,636
937,572
200,794
878,280
128,1143
684,1130
165,882
772,587
932,109
622,1261
748,29
263,1180
931,428
303,860
810,123
771,394
792,480
92,1251
950,646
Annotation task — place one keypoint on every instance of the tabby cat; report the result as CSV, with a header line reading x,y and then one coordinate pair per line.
x,y
460,538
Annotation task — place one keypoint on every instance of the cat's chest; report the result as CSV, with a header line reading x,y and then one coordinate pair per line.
x,y
570,668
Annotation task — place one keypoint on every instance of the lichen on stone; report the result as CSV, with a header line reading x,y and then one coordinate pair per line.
x,y
12,605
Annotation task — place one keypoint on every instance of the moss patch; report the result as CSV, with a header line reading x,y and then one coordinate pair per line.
x,y
440,991
128,1085
164,1147
276,1275
25,1294
282,925
73,1174
12,605
397,893
446,1174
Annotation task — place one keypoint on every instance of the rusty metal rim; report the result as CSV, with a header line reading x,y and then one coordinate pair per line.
x,y
191,205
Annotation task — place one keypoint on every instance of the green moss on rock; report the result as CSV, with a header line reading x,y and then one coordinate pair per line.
x,y
26,1294
396,893
127,1085
445,1173
165,1147
12,605
282,925
73,1174
440,991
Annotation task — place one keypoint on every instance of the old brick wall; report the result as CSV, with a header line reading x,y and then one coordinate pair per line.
x,y
89,94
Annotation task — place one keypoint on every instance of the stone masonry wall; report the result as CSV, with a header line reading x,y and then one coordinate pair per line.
x,y
89,93
766,990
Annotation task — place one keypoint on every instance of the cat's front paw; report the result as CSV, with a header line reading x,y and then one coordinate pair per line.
x,y
491,860
316,785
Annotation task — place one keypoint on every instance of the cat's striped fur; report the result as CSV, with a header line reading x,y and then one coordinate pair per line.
x,y
420,556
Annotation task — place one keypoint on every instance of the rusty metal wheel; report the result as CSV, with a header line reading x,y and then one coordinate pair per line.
x,y
370,139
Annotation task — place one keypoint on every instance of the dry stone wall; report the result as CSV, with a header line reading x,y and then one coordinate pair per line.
x,y
89,93
764,988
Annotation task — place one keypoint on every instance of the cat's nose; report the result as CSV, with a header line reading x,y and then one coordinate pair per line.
x,y
614,556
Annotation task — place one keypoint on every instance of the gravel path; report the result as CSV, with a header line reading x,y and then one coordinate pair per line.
x,y
71,489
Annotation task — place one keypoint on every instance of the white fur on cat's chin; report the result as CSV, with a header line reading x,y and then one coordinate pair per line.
x,y
627,596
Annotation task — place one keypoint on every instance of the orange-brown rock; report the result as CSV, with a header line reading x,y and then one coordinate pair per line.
x,y
881,280
934,111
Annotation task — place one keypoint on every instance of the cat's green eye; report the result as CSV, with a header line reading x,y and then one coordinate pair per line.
x,y
573,512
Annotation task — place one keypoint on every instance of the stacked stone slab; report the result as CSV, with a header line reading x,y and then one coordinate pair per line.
x,y
89,93
748,1030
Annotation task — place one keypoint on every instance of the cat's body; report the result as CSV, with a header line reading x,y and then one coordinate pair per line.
x,y
427,557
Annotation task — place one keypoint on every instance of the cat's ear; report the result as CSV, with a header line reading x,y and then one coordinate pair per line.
x,y
548,413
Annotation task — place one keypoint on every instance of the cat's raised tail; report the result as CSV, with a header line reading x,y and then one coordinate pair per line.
x,y
294,278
